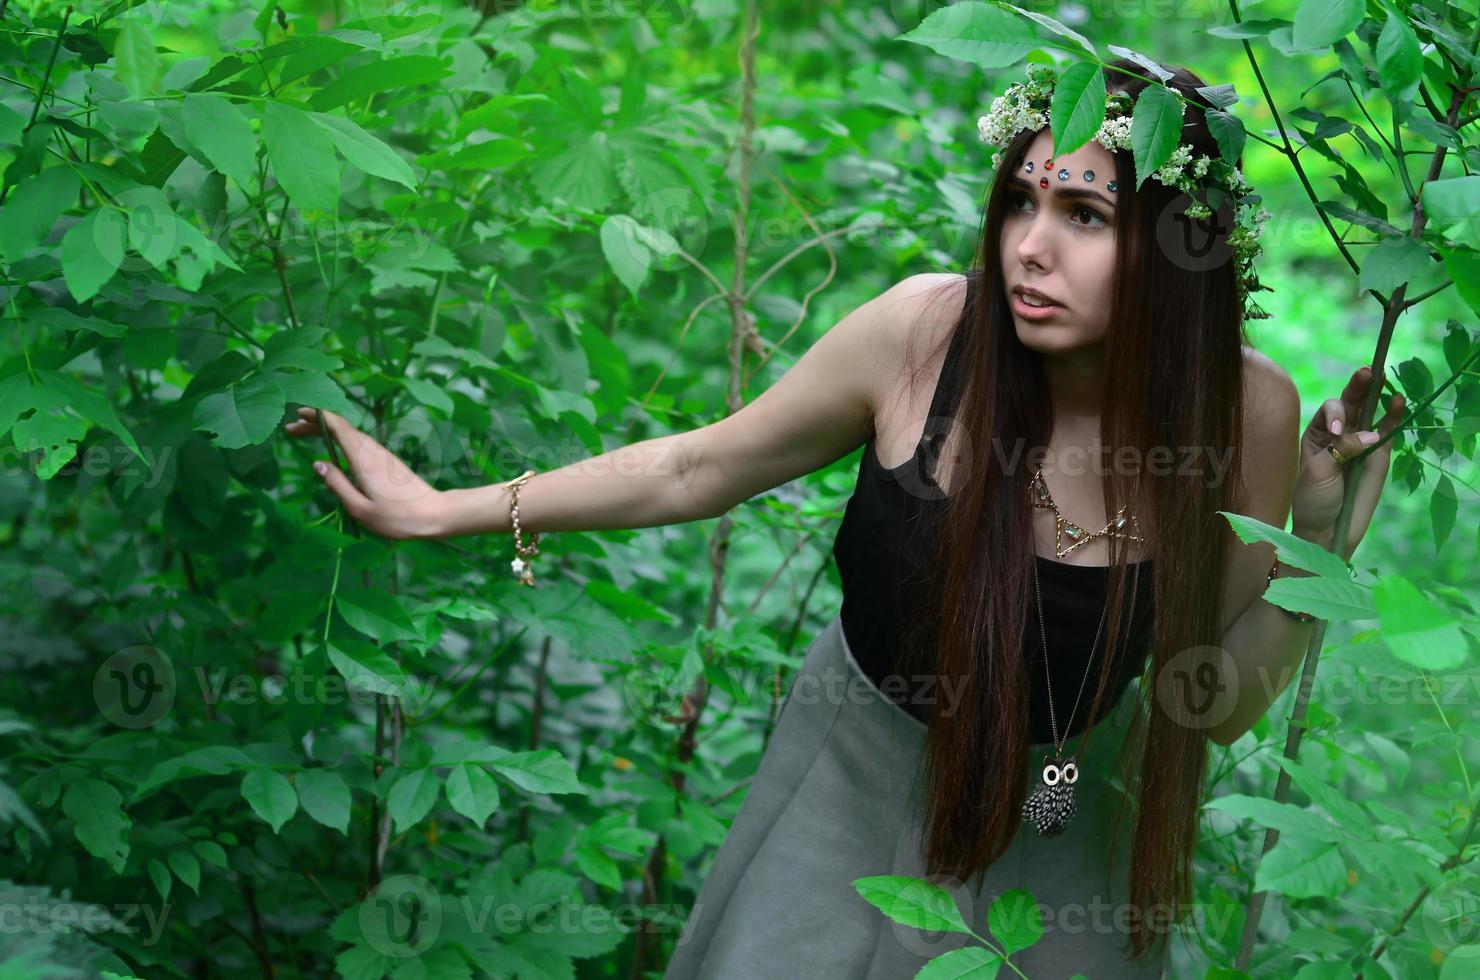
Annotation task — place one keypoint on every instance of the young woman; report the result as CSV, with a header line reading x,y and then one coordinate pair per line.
x,y
1084,626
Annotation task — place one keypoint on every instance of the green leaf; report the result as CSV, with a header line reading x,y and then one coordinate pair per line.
x,y
1078,107
1300,868
312,389
302,156
186,868
33,207
542,771
1391,262
1399,58
92,251
209,760
630,248
429,394
1463,266
1289,548
913,902
581,176
1080,45
101,826
1443,509
597,866
967,963
152,223
472,792
1455,200
271,796
160,875
378,615
1156,129
1015,919
366,667
1228,131
1287,818
211,852
223,135
365,151
983,35
1350,817
1321,23
245,414
412,797
1418,632
325,797
1335,600
135,59
88,403
52,432
381,76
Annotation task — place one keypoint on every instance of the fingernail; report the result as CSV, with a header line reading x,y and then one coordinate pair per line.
x,y
320,468
1336,427
1367,438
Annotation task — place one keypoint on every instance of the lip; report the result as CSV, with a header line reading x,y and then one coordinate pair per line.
x,y
1033,312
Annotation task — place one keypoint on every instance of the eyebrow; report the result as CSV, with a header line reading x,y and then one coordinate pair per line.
x,y
1073,193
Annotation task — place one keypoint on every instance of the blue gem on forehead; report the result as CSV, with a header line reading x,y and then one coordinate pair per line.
x,y
1029,167
1063,173
1089,175
1110,186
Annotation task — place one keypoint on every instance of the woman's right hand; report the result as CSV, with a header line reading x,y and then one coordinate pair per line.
x,y
386,496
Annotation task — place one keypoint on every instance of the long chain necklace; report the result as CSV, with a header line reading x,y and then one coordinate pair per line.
x,y
1051,804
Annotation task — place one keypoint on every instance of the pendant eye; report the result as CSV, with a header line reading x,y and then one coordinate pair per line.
x,y
1051,775
1071,772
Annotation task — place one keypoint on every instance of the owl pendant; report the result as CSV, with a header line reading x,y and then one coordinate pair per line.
x,y
1050,806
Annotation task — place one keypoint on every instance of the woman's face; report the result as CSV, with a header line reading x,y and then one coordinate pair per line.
x,y
1060,240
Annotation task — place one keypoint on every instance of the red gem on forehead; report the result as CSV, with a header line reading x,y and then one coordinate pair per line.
x,y
1042,181
1048,162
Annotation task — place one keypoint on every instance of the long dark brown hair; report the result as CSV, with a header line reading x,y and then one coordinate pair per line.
x,y
1174,364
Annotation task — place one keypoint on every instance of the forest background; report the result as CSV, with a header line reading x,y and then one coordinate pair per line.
x,y
241,738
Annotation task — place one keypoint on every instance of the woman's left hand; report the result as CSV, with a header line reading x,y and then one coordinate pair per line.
x,y
1320,485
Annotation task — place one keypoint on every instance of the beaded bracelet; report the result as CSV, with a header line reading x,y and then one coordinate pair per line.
x,y
1303,617
521,567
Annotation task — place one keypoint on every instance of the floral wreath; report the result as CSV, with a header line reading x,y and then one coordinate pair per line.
x,y
1025,105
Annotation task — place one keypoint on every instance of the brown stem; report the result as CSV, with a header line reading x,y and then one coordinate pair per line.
x,y
259,937
1450,863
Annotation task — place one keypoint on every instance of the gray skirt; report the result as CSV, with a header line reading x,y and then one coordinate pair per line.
x,y
836,797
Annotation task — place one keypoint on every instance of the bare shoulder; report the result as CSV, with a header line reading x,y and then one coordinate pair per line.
x,y
1271,438
929,304
1271,401
924,308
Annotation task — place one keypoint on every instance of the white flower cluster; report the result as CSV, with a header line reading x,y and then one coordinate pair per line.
x,y
1170,173
1115,133
1010,114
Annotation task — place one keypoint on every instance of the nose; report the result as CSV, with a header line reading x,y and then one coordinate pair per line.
x,y
1035,247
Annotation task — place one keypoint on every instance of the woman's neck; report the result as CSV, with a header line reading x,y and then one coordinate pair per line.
x,y
1076,383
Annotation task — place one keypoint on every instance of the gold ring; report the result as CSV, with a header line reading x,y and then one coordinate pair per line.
x,y
1337,454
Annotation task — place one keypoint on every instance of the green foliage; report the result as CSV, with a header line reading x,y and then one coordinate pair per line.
x,y
241,737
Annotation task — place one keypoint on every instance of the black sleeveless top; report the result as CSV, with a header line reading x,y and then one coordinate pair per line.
x,y
879,552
